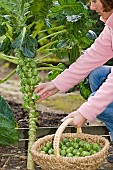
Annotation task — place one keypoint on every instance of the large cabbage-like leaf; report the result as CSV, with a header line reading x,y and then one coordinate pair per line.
x,y
8,133
26,44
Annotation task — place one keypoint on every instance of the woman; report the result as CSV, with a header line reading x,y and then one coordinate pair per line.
x,y
100,103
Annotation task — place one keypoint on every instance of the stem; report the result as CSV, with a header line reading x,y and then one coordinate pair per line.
x,y
9,58
30,163
6,78
51,43
44,64
54,49
23,34
35,33
32,138
51,29
49,68
43,56
59,32
29,26
22,7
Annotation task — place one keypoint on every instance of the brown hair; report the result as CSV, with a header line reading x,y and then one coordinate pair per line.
x,y
107,4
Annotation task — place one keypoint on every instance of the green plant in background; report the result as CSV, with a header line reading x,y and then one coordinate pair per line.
x,y
23,23
85,90
75,37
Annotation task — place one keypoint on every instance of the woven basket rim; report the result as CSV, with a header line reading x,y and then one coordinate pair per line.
x,y
66,163
96,155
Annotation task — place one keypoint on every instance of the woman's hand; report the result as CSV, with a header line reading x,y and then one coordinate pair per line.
x,y
78,121
46,90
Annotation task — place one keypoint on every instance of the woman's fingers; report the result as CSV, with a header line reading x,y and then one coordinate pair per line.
x,y
44,94
39,88
43,97
78,119
46,90
71,115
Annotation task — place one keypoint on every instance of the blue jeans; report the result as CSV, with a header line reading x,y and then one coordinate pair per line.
x,y
96,78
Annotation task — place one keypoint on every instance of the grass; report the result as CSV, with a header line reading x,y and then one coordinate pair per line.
x,y
66,102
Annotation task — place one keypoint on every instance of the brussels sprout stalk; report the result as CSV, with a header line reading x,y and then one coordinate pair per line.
x,y
28,72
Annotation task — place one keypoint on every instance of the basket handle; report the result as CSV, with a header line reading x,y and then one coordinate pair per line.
x,y
59,133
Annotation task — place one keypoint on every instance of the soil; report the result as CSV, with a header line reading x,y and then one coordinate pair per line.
x,y
45,119
14,157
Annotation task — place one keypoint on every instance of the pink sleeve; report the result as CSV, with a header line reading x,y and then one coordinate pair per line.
x,y
98,103
98,54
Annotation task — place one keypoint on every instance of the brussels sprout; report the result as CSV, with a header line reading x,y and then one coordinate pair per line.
x,y
25,105
30,75
35,96
25,97
32,64
21,74
18,70
29,95
33,81
22,63
27,88
22,89
34,72
38,80
83,149
25,69
31,103
23,81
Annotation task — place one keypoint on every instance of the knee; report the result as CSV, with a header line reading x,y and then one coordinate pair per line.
x,y
93,76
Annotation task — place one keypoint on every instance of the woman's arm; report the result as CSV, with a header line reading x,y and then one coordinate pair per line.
x,y
98,54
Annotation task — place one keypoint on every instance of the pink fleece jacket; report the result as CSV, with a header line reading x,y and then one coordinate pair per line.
x,y
97,55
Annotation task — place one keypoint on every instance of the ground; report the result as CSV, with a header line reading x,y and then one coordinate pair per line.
x,y
50,111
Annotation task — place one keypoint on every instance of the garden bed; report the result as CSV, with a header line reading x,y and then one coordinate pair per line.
x,y
15,157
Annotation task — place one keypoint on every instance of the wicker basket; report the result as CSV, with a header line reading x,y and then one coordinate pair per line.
x,y
57,162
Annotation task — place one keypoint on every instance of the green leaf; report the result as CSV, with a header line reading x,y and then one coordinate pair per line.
x,y
91,35
74,53
40,8
65,2
19,40
5,46
86,42
8,133
62,43
26,44
10,6
61,53
74,18
85,90
2,30
6,110
75,8
54,73
62,2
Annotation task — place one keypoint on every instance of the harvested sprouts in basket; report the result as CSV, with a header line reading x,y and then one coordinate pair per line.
x,y
72,148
